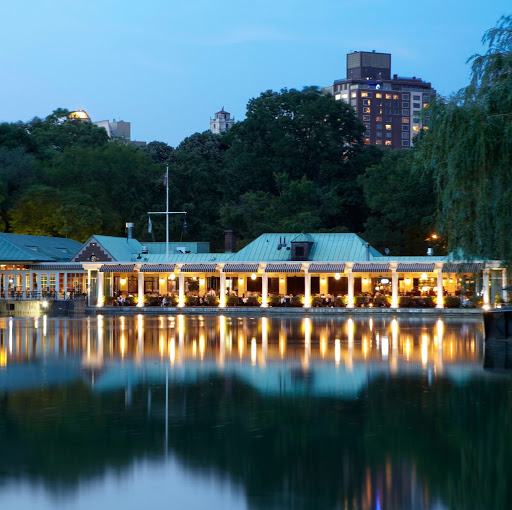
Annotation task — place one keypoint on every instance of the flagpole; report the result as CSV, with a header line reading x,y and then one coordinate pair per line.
x,y
167,214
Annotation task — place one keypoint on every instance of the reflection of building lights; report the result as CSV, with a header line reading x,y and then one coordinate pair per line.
x,y
424,349
337,351
407,348
202,345
3,358
253,351
385,346
194,348
122,345
323,345
161,346
240,345
172,351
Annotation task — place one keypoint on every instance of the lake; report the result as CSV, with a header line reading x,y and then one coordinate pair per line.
x,y
252,413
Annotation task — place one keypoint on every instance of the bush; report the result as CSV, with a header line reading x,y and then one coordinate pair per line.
x,y
381,301
452,302
318,302
191,300
253,301
406,302
211,300
109,300
274,300
427,302
361,301
232,300
151,301
130,301
340,301
296,301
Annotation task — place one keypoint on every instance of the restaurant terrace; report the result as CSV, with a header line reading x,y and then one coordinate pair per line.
x,y
275,270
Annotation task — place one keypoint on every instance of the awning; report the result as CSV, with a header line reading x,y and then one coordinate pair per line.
x,y
50,267
370,268
469,267
326,268
240,268
117,268
415,268
199,268
157,268
283,268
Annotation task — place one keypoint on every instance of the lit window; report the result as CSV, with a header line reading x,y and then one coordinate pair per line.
x,y
378,95
366,94
366,118
387,142
405,120
337,97
344,96
378,142
405,112
425,105
366,109
378,119
366,102
380,111
388,127
415,128
388,96
396,96
353,94
366,141
405,143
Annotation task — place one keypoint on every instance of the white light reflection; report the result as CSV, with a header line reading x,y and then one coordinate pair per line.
x,y
337,351
253,351
385,347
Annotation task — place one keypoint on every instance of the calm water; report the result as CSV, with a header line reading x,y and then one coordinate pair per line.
x,y
234,413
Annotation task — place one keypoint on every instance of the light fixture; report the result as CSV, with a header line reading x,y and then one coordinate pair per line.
x,y
281,280
451,280
365,280
240,281
162,280
424,276
377,287
384,281
337,276
323,281
123,281
253,276
407,281
201,281
194,278
172,276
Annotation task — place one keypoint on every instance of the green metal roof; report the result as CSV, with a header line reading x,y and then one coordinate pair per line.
x,y
326,248
187,258
190,246
120,249
21,247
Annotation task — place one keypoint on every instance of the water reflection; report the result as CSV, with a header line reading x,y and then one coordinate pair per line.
x,y
302,413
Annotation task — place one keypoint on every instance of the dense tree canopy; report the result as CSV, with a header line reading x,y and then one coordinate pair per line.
x,y
469,149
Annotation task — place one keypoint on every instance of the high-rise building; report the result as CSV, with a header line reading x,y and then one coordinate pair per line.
x,y
221,122
389,106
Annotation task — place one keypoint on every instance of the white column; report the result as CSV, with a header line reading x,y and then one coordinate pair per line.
x,y
440,297
65,285
88,286
140,289
350,303
504,283
394,287
487,299
222,297
264,290
101,282
307,289
23,286
181,294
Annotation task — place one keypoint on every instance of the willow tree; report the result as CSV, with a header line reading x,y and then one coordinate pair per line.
x,y
469,149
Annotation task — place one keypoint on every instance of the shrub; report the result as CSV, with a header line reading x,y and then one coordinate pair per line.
x,y
253,301
296,301
427,302
381,301
191,300
361,301
130,301
109,300
151,301
211,300
340,301
405,302
232,300
274,300
452,302
318,302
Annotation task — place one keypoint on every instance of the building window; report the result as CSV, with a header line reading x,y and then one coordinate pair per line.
x,y
337,97
388,127
396,111
366,94
366,118
405,135
388,111
378,118
388,142
388,96
425,105
388,103
378,95
405,97
388,135
405,112
405,104
415,128
388,119
416,120
379,103
366,102
379,127
426,99
367,141
366,109
396,96
367,133
405,143
378,142
353,94
380,111
344,96
405,120
416,105
405,127
379,134
416,97
353,102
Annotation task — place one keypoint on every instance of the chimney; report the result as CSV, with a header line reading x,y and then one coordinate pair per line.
x,y
430,251
129,228
229,241
367,251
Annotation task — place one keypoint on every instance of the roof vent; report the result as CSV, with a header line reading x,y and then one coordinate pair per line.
x,y
144,250
430,252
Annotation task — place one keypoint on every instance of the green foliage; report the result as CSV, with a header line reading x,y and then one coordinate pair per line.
x,y
469,149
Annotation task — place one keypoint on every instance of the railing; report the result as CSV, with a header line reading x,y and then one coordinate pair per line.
x,y
34,295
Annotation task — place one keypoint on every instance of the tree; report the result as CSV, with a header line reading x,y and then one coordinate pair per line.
x,y
160,152
469,149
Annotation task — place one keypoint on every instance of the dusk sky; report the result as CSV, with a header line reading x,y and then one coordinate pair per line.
x,y
167,66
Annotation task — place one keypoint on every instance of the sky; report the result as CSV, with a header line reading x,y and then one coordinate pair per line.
x,y
167,66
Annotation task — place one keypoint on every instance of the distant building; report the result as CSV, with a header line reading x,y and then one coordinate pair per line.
x,y
389,106
221,122
79,115
119,130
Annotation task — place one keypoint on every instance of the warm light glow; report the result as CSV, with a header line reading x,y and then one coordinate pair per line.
x,y
162,281
202,345
337,351
122,345
451,280
385,346
172,276
123,281
253,351
486,307
3,357
434,236
323,281
201,281
424,276
424,349
253,276
172,351
337,276
240,281
281,280
407,281
365,281
385,281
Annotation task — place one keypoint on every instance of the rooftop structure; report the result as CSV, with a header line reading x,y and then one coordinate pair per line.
x,y
221,122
